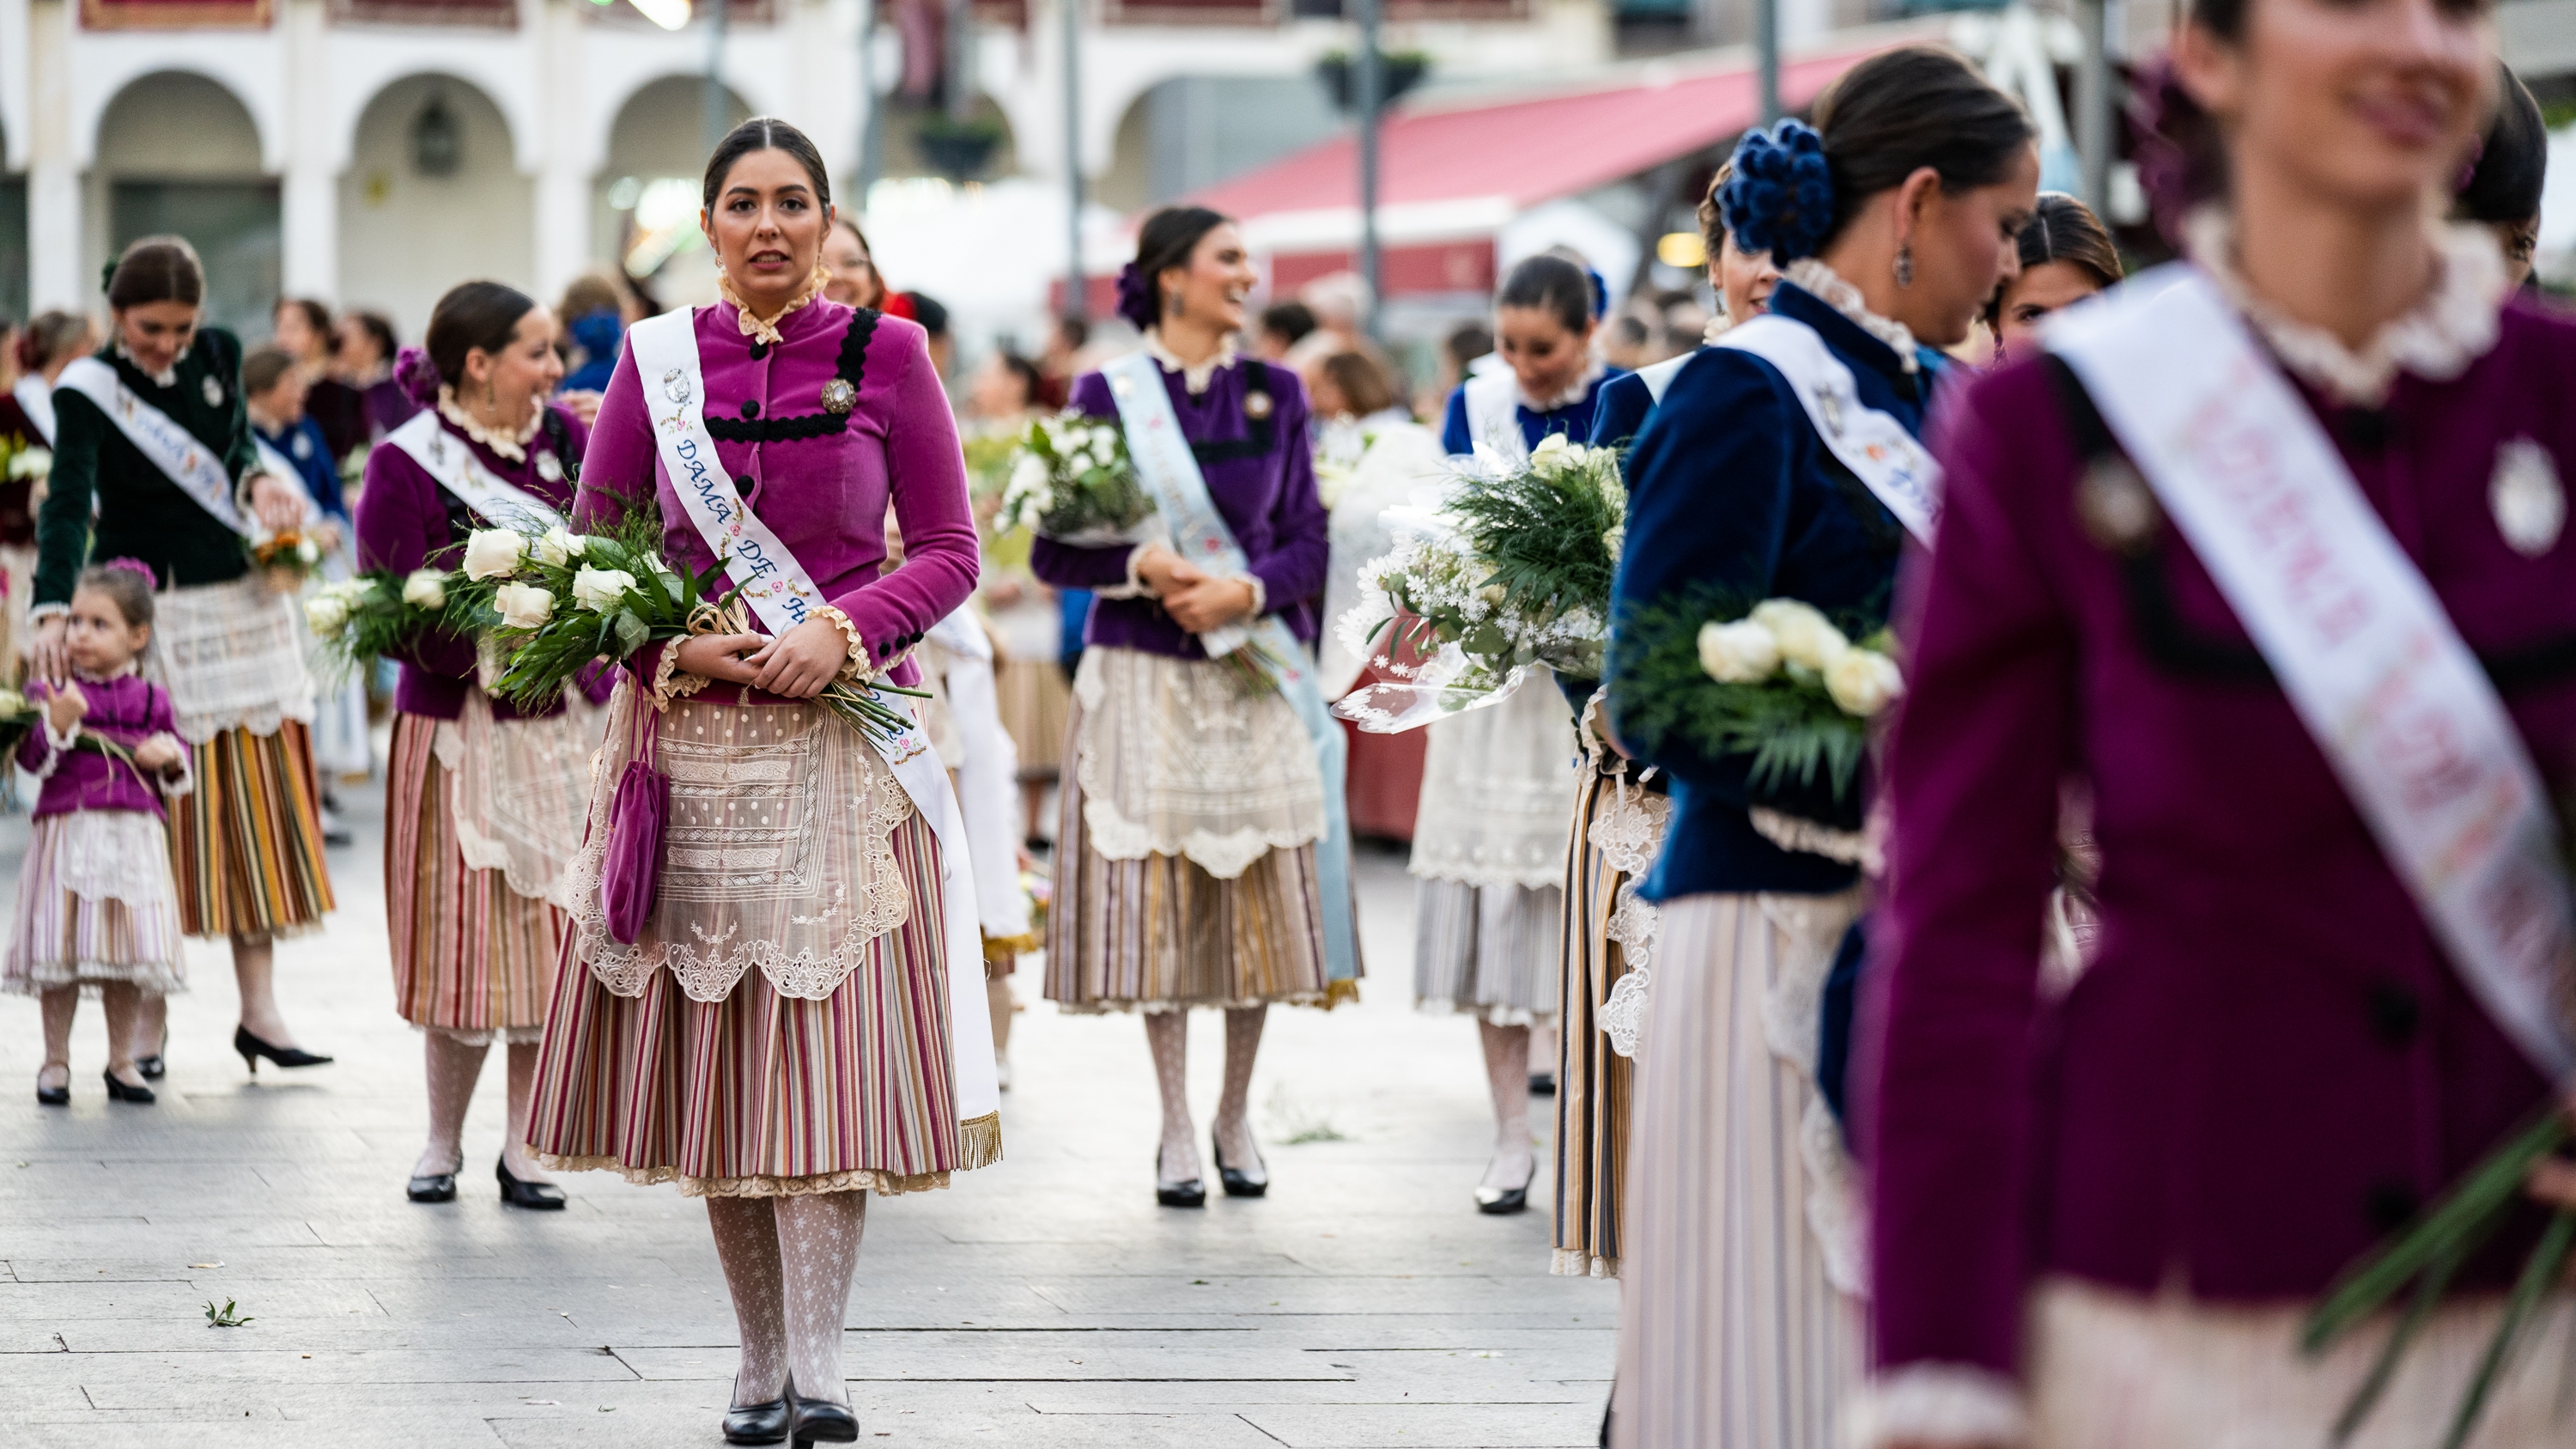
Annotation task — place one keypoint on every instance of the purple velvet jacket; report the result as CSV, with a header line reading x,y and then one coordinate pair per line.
x,y
405,521
126,711
2271,1062
821,480
1261,474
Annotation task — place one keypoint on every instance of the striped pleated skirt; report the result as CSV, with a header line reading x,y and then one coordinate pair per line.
x,y
1593,1083
1033,696
471,957
1732,1334
1487,951
761,1094
96,906
246,843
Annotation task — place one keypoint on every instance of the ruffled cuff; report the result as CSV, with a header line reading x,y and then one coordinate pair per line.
x,y
669,682
39,613
1940,1403
856,665
1260,593
185,781
1134,588
56,745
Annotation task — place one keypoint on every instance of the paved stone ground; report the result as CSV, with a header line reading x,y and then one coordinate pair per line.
x,y
1046,1301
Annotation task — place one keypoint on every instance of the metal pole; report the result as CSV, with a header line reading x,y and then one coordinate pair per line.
x,y
1371,87
719,114
1766,50
1077,298
2093,104
871,121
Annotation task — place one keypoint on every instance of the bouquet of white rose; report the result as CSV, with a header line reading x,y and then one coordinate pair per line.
x,y
374,614
1510,571
1071,481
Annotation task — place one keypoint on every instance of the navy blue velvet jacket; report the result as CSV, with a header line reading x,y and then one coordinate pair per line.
x,y
1574,419
1729,487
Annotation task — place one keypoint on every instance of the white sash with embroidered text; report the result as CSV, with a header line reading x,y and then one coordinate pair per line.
x,y
196,469
1874,446
666,360
2372,663
451,461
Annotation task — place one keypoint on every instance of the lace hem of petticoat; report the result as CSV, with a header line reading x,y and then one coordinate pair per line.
x,y
1576,1263
1792,1026
979,1137
93,977
1334,994
483,1036
1262,781
1492,1013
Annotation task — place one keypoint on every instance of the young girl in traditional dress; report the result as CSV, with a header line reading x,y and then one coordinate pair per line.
x,y
97,908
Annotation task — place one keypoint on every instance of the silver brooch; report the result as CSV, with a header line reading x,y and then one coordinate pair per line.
x,y
1256,405
839,396
548,468
2530,506
214,393
2116,508
675,386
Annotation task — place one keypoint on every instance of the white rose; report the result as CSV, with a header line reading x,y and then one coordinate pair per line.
x,y
32,463
326,614
559,546
1806,636
523,606
491,553
426,589
1551,453
1743,652
308,551
598,590
1863,681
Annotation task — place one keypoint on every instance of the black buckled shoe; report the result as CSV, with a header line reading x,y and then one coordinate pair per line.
x,y
543,1196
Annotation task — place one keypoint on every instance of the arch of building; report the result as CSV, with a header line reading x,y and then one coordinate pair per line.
x,y
405,236
180,151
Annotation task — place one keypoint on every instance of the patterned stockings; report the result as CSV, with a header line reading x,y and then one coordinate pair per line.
x,y
788,1262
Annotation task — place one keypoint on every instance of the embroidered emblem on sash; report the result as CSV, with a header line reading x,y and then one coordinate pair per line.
x,y
2529,504
675,386
839,396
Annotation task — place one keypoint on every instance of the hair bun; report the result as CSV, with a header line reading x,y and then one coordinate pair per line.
x,y
1136,297
417,376
1781,198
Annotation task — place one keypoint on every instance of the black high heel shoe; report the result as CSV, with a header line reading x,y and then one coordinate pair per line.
x,y
54,1096
758,1423
252,1049
820,1421
119,1092
1502,1201
1236,1181
152,1067
1170,1193
431,1187
543,1196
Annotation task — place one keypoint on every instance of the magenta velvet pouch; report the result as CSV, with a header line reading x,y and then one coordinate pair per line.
x,y
631,867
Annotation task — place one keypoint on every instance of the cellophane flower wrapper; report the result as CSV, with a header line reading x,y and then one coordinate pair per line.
x,y
1071,481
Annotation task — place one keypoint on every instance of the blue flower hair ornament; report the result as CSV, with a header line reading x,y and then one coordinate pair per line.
x,y
1781,198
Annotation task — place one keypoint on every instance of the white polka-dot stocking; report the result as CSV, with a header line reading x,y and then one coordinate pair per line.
x,y
1168,1033
747,1244
454,1066
818,1249
1233,1119
1507,1060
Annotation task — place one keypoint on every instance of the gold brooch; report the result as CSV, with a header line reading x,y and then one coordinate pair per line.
x,y
1256,405
839,396
2116,508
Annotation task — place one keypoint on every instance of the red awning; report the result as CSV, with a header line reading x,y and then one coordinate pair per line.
x,y
1462,167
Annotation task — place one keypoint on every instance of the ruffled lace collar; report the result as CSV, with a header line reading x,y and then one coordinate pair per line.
x,y
87,676
758,330
1825,285
505,445
166,377
1574,391
2437,340
1195,377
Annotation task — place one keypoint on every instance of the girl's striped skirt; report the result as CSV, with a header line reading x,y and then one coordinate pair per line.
x,y
471,957
246,844
95,906
810,1053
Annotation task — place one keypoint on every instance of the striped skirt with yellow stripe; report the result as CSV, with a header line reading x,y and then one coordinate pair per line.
x,y
471,956
1593,1083
246,844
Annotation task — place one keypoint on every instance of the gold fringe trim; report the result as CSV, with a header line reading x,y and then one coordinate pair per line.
x,y
998,949
980,1139
1337,992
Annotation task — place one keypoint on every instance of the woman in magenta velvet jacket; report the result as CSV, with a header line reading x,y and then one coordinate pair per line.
x,y
2098,1220
776,1037
487,805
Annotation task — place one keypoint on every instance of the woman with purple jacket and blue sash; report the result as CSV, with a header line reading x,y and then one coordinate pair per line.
x,y
1202,857
2269,552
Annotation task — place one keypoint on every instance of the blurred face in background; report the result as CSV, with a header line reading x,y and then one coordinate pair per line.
x,y
1544,354
358,352
2029,298
1744,281
998,390
855,282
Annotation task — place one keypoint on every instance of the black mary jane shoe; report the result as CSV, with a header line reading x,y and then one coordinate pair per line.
x,y
1502,1201
1236,1181
119,1092
252,1049
758,1423
152,1067
820,1421
54,1096
1542,1084
432,1187
1189,1193
543,1196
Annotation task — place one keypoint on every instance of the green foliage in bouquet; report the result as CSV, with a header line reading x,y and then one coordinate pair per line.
x,y
1550,531
1777,682
375,614
1071,480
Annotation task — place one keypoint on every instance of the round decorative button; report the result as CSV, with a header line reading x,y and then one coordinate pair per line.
x,y
839,396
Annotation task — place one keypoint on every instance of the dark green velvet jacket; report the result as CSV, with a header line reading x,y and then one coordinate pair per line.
x,y
140,512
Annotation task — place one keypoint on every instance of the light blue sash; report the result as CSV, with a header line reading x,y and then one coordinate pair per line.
x,y
1170,473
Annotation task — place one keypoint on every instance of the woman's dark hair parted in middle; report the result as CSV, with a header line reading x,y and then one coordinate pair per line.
x,y
1915,106
1167,240
766,133
472,315
1552,285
